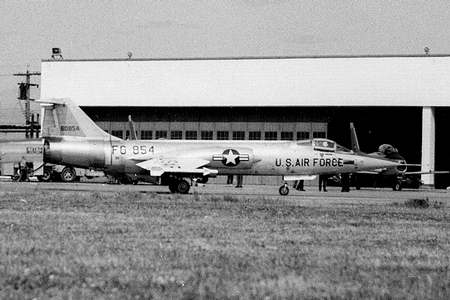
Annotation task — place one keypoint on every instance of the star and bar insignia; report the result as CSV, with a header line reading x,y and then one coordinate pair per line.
x,y
231,157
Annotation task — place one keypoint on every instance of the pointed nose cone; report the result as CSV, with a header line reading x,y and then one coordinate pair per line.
x,y
371,163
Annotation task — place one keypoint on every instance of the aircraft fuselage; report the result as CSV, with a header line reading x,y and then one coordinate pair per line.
x,y
228,157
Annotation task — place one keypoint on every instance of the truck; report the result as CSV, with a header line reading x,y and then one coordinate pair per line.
x,y
20,156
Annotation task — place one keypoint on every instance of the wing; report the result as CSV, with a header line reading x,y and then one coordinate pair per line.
x,y
299,177
427,172
370,172
406,173
159,166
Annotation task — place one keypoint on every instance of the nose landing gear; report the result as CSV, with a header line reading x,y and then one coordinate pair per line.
x,y
284,190
397,186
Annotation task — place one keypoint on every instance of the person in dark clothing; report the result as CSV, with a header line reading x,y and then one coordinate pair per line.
x,y
355,181
23,170
230,179
299,185
323,182
240,179
345,182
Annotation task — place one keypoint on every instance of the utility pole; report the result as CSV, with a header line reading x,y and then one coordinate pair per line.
x,y
24,94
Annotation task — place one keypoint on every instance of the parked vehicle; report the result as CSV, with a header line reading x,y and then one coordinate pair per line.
x,y
17,157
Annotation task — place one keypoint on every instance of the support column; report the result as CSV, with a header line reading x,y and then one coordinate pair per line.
x,y
428,144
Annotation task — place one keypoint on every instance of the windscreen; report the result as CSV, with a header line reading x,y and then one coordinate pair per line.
x,y
324,145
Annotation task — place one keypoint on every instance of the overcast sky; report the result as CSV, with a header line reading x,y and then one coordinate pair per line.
x,y
165,28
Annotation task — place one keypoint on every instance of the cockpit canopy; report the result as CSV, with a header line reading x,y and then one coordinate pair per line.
x,y
390,152
324,145
387,149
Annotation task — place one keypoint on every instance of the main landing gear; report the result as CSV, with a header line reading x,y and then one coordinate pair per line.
x,y
397,186
284,190
179,185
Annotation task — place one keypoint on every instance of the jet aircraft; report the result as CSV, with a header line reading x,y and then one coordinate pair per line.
x,y
72,138
396,175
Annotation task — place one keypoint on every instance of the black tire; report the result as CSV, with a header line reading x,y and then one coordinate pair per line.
x,y
283,190
397,186
46,176
202,180
125,180
183,186
16,177
68,174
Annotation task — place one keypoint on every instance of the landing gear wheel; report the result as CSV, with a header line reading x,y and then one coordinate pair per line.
x,y
125,180
183,186
202,180
397,186
68,174
284,190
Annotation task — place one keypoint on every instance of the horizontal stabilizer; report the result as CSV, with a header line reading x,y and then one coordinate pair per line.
x,y
59,101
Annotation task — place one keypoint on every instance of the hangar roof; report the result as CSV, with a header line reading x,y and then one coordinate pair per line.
x,y
251,81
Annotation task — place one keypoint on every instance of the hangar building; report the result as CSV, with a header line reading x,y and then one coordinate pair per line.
x,y
400,100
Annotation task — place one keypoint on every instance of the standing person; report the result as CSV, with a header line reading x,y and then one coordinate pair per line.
x,y
345,182
323,182
230,179
240,179
23,169
355,181
299,185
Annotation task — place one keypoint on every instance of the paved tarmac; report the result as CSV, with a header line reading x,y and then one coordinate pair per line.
x,y
270,191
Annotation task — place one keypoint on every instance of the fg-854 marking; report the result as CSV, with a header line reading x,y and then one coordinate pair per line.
x,y
133,149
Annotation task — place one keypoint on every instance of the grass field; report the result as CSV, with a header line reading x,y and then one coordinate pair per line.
x,y
117,245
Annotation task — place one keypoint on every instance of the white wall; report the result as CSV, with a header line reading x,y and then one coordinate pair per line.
x,y
363,81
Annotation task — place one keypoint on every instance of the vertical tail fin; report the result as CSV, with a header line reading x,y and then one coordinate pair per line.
x,y
354,138
62,117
